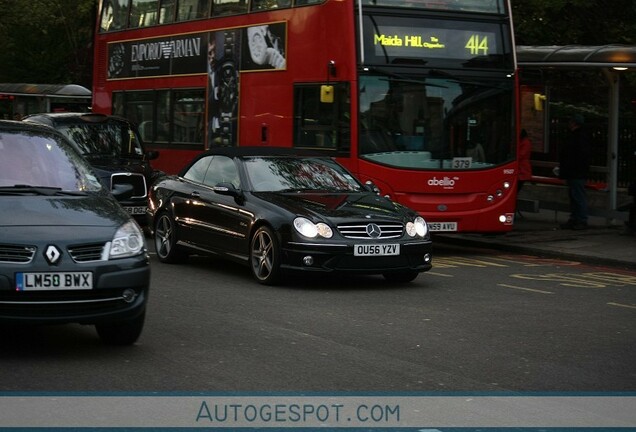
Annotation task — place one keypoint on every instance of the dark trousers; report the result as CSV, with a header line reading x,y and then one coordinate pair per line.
x,y
578,200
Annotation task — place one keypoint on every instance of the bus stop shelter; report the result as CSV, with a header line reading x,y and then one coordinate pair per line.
x,y
613,61
18,99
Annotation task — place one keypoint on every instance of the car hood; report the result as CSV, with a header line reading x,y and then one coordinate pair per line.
x,y
96,210
337,205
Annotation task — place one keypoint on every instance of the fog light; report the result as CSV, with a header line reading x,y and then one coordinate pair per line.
x,y
427,258
129,295
308,260
502,218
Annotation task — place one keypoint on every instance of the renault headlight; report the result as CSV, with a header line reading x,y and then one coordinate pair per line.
x,y
128,241
309,229
417,228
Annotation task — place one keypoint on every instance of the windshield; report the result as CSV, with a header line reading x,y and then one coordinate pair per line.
x,y
275,174
104,139
30,159
437,123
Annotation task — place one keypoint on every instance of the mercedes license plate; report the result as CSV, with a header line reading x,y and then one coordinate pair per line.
x,y
50,281
376,249
442,226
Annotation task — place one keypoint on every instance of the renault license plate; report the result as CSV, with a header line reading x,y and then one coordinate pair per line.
x,y
376,250
51,281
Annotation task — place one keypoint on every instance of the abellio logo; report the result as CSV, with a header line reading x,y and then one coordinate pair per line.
x,y
446,182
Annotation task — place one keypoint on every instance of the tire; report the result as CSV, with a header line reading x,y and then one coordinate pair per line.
x,y
401,277
121,333
166,240
265,256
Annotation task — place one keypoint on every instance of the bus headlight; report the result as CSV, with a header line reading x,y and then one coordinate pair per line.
x,y
309,229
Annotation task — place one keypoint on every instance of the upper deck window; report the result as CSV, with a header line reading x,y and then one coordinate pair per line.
x,y
114,15
483,6
258,5
229,7
193,9
167,11
143,13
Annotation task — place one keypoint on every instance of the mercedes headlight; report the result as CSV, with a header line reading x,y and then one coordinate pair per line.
x,y
309,229
417,228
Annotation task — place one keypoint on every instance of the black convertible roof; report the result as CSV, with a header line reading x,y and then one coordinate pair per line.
x,y
246,151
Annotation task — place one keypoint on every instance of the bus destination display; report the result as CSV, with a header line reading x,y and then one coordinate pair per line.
x,y
407,42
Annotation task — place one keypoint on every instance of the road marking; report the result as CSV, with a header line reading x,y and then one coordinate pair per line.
x,y
534,261
465,262
438,274
622,305
583,280
525,289
523,263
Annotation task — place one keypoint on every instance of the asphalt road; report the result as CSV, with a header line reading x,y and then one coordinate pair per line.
x,y
479,321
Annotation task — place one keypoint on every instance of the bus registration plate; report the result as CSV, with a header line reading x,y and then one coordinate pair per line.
x,y
442,226
52,281
376,250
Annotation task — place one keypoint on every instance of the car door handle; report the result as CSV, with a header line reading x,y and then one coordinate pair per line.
x,y
195,194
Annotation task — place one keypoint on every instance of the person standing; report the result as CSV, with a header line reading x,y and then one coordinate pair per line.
x,y
574,167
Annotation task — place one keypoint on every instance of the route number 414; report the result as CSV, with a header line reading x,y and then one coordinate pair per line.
x,y
477,45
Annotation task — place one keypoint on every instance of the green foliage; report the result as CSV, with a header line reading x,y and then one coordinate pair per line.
x,y
47,41
574,22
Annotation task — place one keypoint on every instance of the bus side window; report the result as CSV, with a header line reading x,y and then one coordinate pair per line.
x,y
192,9
114,15
167,9
308,2
143,13
258,5
229,7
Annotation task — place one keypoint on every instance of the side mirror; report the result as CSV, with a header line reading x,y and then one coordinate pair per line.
x,y
228,189
152,154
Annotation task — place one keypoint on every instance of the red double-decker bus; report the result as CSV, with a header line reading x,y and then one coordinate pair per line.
x,y
416,96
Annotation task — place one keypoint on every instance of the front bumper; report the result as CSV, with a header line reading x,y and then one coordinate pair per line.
x,y
120,292
414,256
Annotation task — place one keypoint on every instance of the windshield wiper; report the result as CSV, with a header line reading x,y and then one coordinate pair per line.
x,y
24,189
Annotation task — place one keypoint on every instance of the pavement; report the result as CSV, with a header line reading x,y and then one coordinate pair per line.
x,y
605,242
